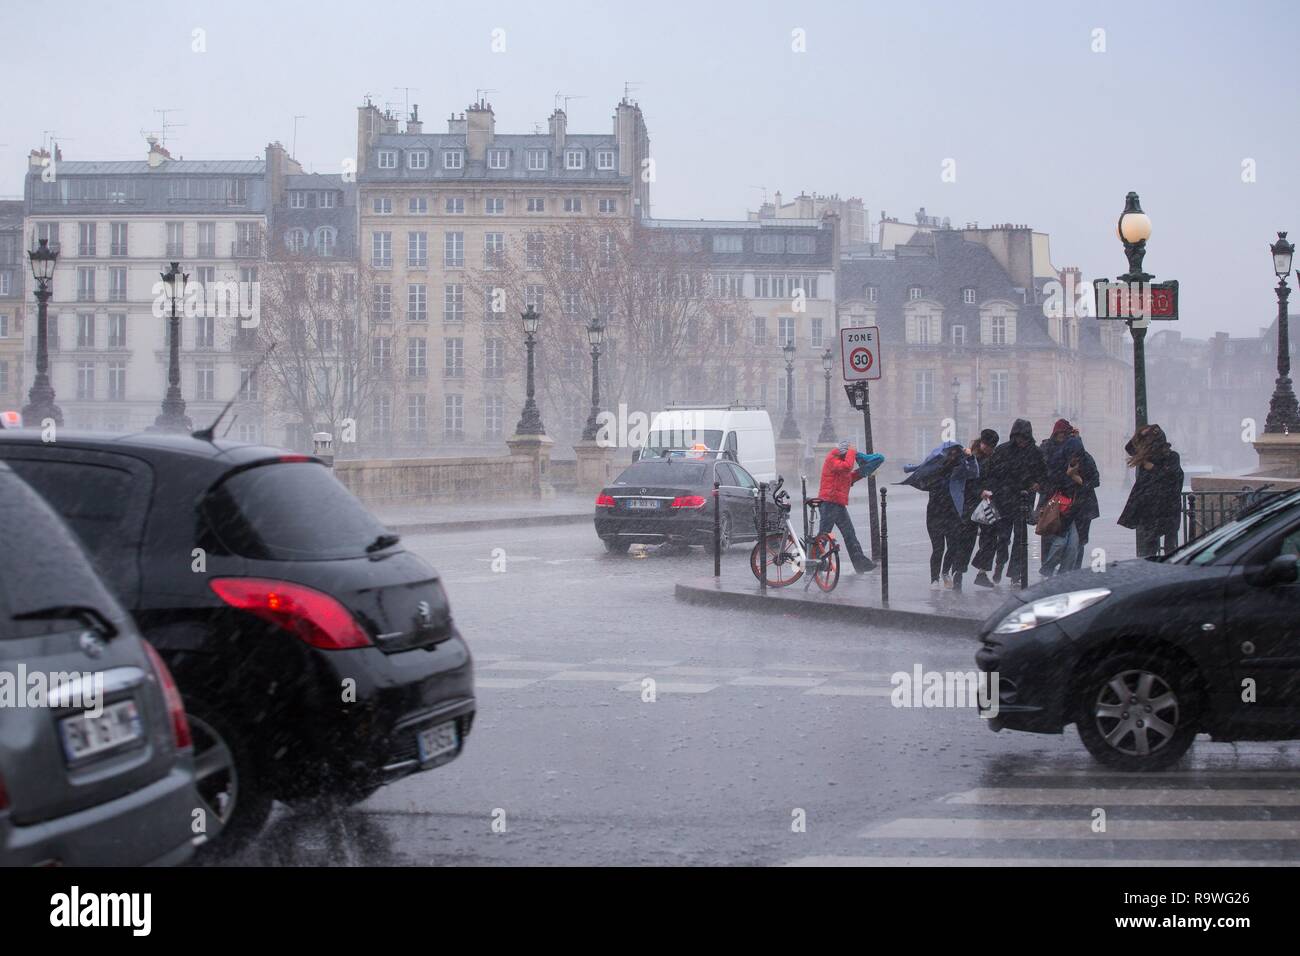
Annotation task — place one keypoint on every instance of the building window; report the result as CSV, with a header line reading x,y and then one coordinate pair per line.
x,y
381,414
785,331
381,353
85,380
453,416
117,239
204,331
205,382
959,335
727,285
453,307
86,285
417,302
536,204
326,240
815,335
494,250
498,159
416,350
415,420
968,296
455,206
760,330
801,245
417,249
533,295
382,205
608,249
494,206
574,159
534,250
207,239
494,416
381,249
417,205
453,357
923,390
417,159
604,159
494,364
117,285
85,330
327,199
608,205
297,199
914,293
86,238
999,391
383,302
387,159
572,204
247,384
295,240
453,249
453,159
922,442
116,381
871,292
117,330
537,159
769,244
728,244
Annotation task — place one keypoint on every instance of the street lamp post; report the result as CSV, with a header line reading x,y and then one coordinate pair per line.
x,y
1283,414
979,407
828,427
595,335
956,392
1134,229
173,417
789,428
530,422
40,398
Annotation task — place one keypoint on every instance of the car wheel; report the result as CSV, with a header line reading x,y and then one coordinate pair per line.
x,y
226,779
616,546
1138,711
724,534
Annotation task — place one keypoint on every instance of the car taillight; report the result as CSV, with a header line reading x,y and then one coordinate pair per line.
x,y
172,698
310,615
4,796
604,501
687,501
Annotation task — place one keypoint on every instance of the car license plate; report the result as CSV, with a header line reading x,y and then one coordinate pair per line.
x,y
643,504
436,741
85,735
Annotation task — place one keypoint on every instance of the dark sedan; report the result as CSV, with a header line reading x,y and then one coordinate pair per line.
x,y
1144,655
670,500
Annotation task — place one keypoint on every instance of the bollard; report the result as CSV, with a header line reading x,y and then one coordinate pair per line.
x,y
717,532
884,550
761,547
1021,543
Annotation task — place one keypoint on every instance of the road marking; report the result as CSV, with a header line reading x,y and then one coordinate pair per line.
x,y
806,668
672,687
617,677
693,671
1018,861
1034,796
624,662
951,828
830,690
760,681
1191,773
529,666
505,683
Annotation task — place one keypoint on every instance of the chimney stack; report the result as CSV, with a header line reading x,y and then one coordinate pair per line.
x,y
559,127
413,124
157,152
480,128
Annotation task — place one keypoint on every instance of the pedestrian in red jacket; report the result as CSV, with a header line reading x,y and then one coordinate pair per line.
x,y
839,472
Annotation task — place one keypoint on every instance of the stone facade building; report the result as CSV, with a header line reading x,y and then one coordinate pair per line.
x,y
14,277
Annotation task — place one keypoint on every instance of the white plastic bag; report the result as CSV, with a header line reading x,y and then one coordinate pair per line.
x,y
985,513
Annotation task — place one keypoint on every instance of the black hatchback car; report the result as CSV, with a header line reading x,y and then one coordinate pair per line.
x,y
317,658
1146,654
670,500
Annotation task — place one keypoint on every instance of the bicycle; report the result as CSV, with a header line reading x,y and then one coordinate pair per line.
x,y
781,557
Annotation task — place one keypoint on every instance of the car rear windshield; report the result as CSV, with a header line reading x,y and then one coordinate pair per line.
x,y
290,511
669,472
675,438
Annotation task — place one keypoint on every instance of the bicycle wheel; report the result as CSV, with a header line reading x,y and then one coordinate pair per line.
x,y
827,555
773,560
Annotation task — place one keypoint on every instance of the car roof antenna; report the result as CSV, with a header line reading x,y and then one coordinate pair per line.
x,y
207,434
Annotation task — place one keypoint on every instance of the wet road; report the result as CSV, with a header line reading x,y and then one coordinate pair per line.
x,y
758,723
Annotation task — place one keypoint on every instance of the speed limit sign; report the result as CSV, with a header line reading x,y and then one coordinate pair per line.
x,y
860,353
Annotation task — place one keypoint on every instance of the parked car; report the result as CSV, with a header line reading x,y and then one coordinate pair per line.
x,y
100,771
670,500
317,657
1145,655
738,433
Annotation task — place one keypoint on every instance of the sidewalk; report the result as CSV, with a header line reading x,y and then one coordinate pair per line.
x,y
490,513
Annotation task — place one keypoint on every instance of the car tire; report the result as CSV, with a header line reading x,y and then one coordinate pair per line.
x,y
724,534
227,779
615,546
1138,712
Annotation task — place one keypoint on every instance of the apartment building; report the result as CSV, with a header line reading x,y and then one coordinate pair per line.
x,y
13,285
117,225
438,211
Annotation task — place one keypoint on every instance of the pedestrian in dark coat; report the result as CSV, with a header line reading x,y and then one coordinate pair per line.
x,y
943,476
979,452
1063,457
1087,480
1016,466
1154,506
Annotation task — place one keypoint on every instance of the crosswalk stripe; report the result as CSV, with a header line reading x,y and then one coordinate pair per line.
x,y
1134,797
636,664
830,690
697,671
528,666
1019,861
673,687
939,828
758,681
617,677
1192,772
807,668
504,683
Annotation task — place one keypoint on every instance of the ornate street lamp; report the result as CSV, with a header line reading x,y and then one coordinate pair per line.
x,y
789,428
1134,228
595,336
40,398
956,393
1283,414
530,422
828,427
173,417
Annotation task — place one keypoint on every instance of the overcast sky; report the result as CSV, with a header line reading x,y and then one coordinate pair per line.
x,y
1043,130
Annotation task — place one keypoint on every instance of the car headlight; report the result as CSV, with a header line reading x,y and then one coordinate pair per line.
x,y
1049,609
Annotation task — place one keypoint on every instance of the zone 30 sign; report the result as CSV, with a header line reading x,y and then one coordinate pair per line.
x,y
860,353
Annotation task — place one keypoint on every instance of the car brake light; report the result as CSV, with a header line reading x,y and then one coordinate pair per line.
x,y
687,501
604,501
4,796
292,458
310,615
172,698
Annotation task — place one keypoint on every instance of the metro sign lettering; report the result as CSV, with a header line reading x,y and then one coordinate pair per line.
x,y
1137,300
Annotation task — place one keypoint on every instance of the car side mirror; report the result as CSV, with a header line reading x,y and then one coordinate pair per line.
x,y
1281,570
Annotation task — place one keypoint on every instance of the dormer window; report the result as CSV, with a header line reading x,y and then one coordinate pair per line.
x,y
328,200
537,159
871,292
574,159
914,293
498,159
968,296
297,199
605,159
387,159
453,159
417,159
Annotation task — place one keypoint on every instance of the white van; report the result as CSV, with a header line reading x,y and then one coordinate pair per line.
x,y
740,433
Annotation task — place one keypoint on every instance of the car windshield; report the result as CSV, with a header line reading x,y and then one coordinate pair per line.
x,y
676,439
667,471
1223,539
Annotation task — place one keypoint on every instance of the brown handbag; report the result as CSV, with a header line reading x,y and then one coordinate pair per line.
x,y
1051,519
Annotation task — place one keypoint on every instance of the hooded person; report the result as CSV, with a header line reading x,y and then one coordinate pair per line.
x,y
943,475
1016,466
840,470
1063,455
979,452
1154,506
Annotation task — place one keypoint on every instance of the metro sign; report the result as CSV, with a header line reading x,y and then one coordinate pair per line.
x,y
1136,301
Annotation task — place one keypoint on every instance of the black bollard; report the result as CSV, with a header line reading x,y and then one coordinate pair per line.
x,y
1021,544
717,532
761,546
884,550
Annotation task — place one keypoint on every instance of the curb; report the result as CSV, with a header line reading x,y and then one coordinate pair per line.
x,y
811,607
523,521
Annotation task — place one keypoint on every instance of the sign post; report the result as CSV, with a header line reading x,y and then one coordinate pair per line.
x,y
860,364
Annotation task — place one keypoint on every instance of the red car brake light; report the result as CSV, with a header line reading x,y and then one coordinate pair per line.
x,y
604,501
172,698
687,501
310,615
